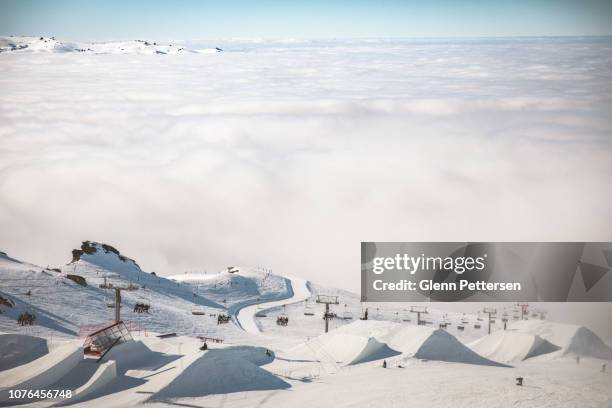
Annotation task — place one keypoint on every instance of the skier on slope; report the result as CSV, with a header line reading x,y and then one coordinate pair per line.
x,y
384,363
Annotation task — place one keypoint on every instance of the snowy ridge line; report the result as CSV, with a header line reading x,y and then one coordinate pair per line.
x,y
20,44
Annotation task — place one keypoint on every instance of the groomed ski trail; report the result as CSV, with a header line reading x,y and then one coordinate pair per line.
x,y
245,316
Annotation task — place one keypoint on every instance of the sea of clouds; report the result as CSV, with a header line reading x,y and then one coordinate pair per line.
x,y
288,154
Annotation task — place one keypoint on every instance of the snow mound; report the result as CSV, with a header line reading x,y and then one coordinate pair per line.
x,y
19,349
344,348
586,343
223,371
372,351
135,355
511,346
442,346
371,340
571,339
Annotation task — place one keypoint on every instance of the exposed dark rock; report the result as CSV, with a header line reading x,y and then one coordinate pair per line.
x,y
86,248
6,302
77,279
91,248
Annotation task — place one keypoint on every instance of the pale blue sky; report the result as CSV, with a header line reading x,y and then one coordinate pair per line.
x,y
109,19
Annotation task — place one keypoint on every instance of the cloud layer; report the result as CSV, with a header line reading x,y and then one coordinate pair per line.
x,y
289,154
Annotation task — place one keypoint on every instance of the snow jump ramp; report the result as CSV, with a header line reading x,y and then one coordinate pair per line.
x,y
40,373
105,373
571,339
510,346
364,341
20,349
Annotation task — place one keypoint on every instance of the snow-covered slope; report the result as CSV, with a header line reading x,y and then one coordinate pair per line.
x,y
79,297
81,294
52,45
237,286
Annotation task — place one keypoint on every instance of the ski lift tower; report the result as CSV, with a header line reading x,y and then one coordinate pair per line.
x,y
327,300
118,290
523,307
117,305
490,312
419,310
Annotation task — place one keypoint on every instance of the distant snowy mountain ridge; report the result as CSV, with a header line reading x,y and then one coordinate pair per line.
x,y
52,45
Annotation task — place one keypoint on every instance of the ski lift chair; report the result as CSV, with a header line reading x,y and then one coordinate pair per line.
x,y
143,304
308,309
109,302
223,319
347,315
282,320
198,311
26,319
